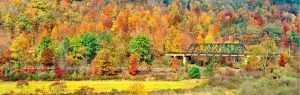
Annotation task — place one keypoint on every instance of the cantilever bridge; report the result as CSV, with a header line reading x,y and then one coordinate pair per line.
x,y
211,50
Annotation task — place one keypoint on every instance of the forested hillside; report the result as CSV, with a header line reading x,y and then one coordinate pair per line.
x,y
148,40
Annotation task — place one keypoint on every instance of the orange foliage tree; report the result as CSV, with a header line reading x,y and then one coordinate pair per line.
x,y
175,64
133,67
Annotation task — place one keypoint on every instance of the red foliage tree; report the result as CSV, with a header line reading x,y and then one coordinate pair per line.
x,y
282,60
133,67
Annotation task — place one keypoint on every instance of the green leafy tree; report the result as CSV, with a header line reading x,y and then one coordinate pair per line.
x,y
22,23
90,43
46,42
294,37
274,30
141,44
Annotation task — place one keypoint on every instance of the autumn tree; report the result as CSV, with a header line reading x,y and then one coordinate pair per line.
x,y
20,49
172,40
22,23
283,58
133,65
47,57
175,64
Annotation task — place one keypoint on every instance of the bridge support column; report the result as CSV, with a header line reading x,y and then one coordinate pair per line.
x,y
184,59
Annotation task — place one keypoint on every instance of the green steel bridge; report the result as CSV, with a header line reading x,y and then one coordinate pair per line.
x,y
211,50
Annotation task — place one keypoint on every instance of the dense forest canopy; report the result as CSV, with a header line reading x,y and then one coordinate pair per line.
x,y
78,30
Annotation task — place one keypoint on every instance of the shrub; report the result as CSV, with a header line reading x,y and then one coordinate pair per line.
x,y
40,91
22,83
114,91
58,72
194,72
167,60
57,87
84,90
137,89
133,67
209,70
74,75
46,75
33,77
18,76
283,58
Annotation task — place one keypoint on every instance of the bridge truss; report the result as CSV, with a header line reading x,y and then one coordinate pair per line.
x,y
216,49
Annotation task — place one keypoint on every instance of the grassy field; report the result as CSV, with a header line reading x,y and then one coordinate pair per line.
x,y
99,86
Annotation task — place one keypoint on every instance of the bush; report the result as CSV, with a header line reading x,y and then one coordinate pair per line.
x,y
194,72
40,91
22,83
283,58
16,76
33,77
209,70
46,75
84,90
167,59
58,72
137,89
57,87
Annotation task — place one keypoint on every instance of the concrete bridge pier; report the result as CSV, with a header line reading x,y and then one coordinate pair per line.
x,y
179,56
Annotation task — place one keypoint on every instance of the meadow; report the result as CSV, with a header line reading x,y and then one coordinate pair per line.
x,y
99,86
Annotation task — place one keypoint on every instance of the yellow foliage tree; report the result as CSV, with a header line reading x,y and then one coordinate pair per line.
x,y
172,41
20,48
204,20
